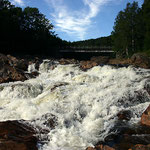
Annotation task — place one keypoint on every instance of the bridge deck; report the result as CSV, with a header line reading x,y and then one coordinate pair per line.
x,y
87,51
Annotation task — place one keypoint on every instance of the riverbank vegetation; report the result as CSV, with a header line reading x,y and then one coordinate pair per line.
x,y
26,31
99,42
131,32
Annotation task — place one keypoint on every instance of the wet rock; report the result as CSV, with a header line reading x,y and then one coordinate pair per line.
x,y
87,64
67,61
147,86
58,85
140,60
137,60
100,59
13,69
145,119
18,63
37,62
47,65
140,147
22,64
10,70
3,60
124,115
15,135
100,147
34,74
123,136
9,74
50,120
13,145
120,62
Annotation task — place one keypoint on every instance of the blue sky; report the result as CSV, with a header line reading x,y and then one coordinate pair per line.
x,y
75,20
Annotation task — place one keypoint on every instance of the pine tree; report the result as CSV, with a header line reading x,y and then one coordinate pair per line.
x,y
146,16
126,34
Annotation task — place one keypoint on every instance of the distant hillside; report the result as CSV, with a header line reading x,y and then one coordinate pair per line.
x,y
99,42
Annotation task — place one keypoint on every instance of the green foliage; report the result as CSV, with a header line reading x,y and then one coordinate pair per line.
x,y
127,35
5,4
132,30
99,42
146,16
26,31
34,20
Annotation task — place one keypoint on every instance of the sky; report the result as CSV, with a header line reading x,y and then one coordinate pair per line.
x,y
76,20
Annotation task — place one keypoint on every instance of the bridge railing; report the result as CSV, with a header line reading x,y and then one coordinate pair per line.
x,y
86,49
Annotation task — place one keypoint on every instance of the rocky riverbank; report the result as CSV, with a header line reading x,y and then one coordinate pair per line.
x,y
15,69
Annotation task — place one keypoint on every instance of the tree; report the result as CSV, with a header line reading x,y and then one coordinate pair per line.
x,y
34,20
37,30
146,15
5,4
126,34
25,31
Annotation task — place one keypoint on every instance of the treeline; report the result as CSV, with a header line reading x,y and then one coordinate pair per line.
x,y
99,42
26,31
131,32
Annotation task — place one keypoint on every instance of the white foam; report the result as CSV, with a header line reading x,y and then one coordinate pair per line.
x,y
85,103
32,68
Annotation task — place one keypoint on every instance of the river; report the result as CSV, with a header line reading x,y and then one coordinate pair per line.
x,y
84,103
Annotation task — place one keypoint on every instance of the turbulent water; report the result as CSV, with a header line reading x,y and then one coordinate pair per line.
x,y
85,104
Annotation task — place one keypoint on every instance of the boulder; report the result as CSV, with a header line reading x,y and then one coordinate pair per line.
x,y
48,120
145,119
100,147
147,87
10,69
124,115
67,61
14,145
87,64
59,84
140,147
100,59
15,135
140,60
9,74
13,69
122,62
3,60
18,63
124,136
36,62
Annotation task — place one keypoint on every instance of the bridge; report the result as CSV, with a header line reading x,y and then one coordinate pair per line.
x,y
86,52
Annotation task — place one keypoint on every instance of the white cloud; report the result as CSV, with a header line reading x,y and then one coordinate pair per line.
x,y
75,22
18,2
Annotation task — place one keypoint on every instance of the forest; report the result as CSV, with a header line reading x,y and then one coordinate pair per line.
x,y
99,42
131,32
27,31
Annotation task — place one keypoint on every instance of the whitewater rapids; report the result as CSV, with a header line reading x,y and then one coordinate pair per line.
x,y
86,104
